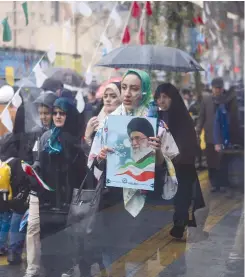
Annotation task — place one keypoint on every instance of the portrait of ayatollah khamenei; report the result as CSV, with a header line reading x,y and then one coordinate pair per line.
x,y
132,162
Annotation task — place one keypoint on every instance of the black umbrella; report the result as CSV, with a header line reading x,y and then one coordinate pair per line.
x,y
65,75
150,57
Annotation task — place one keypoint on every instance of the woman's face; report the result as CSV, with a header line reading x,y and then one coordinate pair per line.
x,y
45,115
111,100
131,91
164,101
59,117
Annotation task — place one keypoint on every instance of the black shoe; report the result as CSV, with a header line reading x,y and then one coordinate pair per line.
x,y
177,231
14,258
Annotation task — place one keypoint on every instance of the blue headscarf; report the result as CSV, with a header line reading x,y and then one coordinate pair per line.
x,y
54,145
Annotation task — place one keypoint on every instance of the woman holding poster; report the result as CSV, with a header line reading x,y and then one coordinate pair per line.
x,y
136,101
136,106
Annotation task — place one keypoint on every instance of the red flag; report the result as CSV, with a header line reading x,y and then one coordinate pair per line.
x,y
199,48
206,43
126,36
136,10
236,69
142,36
195,20
148,8
199,20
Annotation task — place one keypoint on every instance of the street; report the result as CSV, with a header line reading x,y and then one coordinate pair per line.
x,y
213,251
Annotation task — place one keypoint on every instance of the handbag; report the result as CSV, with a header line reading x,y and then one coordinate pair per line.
x,y
85,204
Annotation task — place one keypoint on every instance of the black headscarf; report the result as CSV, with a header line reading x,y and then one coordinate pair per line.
x,y
180,123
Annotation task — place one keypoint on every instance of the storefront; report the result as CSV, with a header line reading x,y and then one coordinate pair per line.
x,y
16,64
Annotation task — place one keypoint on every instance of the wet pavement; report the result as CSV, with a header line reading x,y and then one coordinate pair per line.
x,y
214,249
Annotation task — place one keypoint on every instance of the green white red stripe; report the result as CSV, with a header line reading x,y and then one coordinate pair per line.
x,y
141,172
31,172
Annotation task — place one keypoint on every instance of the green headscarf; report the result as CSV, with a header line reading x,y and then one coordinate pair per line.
x,y
145,85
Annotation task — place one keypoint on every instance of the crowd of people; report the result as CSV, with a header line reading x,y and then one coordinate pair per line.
x,y
67,146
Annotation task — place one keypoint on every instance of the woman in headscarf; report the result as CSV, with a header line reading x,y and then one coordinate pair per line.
x,y
136,101
189,196
110,101
62,167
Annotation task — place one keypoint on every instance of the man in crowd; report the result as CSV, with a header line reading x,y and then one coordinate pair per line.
x,y
217,162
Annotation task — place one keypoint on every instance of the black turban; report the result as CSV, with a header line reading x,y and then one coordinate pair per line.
x,y
141,125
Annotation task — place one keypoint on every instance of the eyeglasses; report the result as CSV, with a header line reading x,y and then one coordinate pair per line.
x,y
60,113
137,139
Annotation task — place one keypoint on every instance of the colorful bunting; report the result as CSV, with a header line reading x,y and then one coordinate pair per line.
x,y
142,36
148,8
206,43
116,17
51,53
80,101
88,77
25,9
6,120
83,8
126,36
107,43
207,9
136,10
7,34
40,76
16,101
199,20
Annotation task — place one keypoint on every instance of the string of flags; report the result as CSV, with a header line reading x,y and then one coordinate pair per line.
x,y
136,12
7,33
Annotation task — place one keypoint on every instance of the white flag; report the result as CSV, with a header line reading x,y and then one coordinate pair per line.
x,y
215,25
88,77
67,27
40,76
6,120
51,53
16,101
212,34
80,101
83,9
207,9
116,17
107,43
226,85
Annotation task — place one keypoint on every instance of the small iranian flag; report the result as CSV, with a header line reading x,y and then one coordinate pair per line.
x,y
31,172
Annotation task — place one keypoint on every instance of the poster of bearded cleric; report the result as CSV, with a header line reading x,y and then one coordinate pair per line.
x,y
132,162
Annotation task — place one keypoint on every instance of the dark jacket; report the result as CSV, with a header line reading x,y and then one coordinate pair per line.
x,y
206,118
61,172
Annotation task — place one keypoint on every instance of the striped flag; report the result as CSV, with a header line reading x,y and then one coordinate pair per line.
x,y
142,172
31,172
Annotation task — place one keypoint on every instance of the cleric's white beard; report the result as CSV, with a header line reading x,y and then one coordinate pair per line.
x,y
138,154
